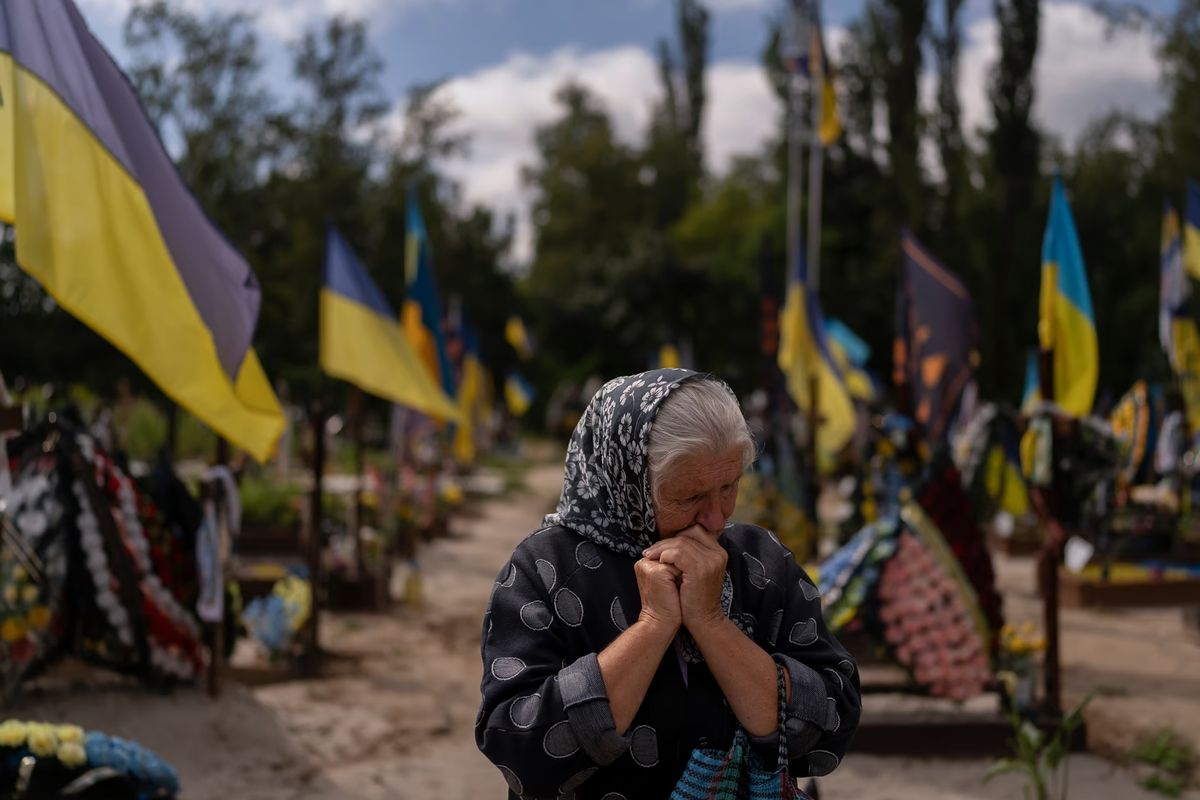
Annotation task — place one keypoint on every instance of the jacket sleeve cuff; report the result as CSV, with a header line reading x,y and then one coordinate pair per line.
x,y
807,713
588,710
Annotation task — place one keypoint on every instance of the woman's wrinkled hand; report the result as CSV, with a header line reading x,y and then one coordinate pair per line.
x,y
700,559
658,584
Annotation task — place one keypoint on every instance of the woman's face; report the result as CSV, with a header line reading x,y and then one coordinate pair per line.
x,y
700,490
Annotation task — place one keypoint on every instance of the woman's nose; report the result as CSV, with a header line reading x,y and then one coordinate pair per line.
x,y
711,517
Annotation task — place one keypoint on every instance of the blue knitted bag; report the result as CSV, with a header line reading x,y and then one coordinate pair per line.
x,y
738,774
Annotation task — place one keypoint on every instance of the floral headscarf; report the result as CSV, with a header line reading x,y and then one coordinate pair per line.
x,y
606,480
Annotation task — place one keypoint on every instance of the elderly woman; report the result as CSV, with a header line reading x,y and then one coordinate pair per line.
x,y
641,623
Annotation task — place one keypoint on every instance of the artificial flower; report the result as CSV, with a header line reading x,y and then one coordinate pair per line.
x,y
13,733
42,741
12,630
69,733
39,617
71,754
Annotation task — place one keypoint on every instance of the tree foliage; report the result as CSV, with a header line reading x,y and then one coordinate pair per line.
x,y
645,241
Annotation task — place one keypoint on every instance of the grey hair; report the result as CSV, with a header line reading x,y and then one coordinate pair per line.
x,y
701,417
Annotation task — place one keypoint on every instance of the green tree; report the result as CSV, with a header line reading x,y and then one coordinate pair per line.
x,y
1014,150
674,154
325,181
952,149
904,26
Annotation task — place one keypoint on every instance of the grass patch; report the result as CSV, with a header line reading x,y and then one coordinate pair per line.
x,y
1170,759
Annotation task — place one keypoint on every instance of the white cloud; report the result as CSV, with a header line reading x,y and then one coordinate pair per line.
x,y
730,6
742,112
284,20
1082,71
502,106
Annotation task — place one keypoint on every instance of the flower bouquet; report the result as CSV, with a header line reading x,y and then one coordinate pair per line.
x,y
39,760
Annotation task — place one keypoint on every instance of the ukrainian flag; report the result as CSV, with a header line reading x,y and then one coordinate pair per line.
x,y
821,73
361,339
1033,393
422,311
108,228
518,394
813,61
517,336
1191,230
470,397
803,354
1177,330
850,353
1067,324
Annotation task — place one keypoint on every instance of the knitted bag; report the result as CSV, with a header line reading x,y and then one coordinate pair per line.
x,y
738,774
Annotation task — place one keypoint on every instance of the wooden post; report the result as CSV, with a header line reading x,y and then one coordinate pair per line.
x,y
814,473
215,492
172,430
311,664
357,412
1047,564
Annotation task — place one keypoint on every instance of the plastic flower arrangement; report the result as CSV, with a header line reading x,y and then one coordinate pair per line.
x,y
1018,663
61,754
275,620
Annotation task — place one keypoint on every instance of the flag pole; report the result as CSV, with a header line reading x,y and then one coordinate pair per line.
x,y
798,44
816,160
311,663
816,154
1052,547
795,139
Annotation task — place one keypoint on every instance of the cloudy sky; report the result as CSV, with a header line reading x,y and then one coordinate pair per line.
x,y
503,59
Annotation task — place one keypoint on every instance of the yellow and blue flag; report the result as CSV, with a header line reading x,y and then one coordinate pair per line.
x,y
517,336
1066,322
422,309
109,229
804,354
1177,330
470,397
1191,230
1002,477
518,394
851,353
936,337
1032,395
361,338
811,59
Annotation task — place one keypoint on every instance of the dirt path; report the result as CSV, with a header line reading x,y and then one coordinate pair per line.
x,y
397,719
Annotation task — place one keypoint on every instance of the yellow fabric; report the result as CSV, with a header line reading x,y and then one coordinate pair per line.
x,y
831,121
516,335
420,339
7,174
858,383
516,398
89,237
799,359
668,357
1191,251
1187,368
1072,336
1004,483
469,395
370,351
